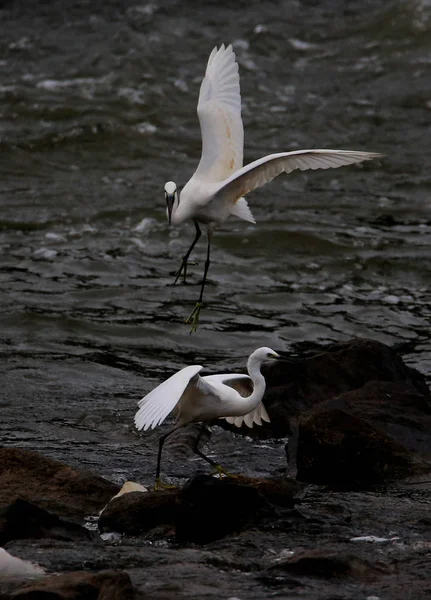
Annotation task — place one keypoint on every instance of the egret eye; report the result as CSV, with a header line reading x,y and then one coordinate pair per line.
x,y
269,355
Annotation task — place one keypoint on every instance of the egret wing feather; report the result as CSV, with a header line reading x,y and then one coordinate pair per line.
x,y
265,169
256,416
219,111
243,384
160,402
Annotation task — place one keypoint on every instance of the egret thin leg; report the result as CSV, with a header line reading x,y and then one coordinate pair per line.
x,y
207,266
196,449
193,319
158,483
183,267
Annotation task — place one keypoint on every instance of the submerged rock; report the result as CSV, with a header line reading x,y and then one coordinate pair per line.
x,y
24,520
80,585
51,484
328,565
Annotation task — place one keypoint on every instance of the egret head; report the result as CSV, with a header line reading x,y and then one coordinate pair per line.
x,y
270,354
264,354
170,197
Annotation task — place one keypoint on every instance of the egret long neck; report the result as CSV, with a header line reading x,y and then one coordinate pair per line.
x,y
259,385
249,404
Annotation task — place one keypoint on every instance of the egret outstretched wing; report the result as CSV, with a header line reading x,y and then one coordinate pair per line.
x,y
160,402
265,169
219,111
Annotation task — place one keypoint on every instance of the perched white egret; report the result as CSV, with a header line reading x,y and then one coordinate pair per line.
x,y
236,398
218,186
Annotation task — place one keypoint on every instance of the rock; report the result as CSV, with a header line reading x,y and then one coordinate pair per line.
x,y
206,509
50,484
295,388
79,585
128,487
136,513
281,491
335,447
211,508
23,520
12,567
395,408
327,565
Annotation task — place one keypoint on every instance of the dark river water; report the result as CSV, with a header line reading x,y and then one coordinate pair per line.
x,y
98,110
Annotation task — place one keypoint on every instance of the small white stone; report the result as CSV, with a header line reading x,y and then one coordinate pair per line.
x,y
391,299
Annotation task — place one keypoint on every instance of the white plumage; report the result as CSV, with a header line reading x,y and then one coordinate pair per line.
x,y
236,398
217,189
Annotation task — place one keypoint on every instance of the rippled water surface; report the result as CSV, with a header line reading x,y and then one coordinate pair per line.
x,y
98,110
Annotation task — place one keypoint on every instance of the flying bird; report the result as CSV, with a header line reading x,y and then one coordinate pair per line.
x,y
217,189
236,398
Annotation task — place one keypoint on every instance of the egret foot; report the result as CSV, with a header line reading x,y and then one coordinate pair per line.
x,y
193,318
183,270
160,485
218,470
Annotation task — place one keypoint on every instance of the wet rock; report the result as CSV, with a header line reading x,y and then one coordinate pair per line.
x,y
206,509
23,520
295,388
80,585
328,565
136,512
281,492
51,484
212,508
335,447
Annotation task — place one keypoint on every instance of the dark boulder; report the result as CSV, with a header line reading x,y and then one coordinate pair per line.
x,y
338,448
79,585
341,368
51,484
24,520
393,407
211,508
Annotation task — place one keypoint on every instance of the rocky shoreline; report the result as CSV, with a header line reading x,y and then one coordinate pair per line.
x,y
348,518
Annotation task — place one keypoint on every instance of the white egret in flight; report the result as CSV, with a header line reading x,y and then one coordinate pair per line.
x,y
217,189
236,398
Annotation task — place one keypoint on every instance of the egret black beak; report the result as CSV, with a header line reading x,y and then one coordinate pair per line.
x,y
284,357
170,198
